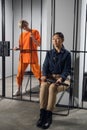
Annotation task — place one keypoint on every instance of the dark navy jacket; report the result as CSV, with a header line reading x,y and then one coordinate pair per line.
x,y
57,63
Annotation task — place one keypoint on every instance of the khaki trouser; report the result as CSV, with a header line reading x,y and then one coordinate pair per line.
x,y
48,93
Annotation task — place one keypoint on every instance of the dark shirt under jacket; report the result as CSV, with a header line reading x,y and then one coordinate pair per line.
x,y
57,63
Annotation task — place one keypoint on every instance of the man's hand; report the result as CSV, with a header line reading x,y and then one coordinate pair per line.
x,y
32,36
59,80
15,48
43,78
34,40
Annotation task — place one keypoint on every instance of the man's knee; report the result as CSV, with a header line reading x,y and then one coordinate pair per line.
x,y
44,85
53,88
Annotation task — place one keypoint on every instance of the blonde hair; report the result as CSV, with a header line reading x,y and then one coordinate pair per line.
x,y
23,23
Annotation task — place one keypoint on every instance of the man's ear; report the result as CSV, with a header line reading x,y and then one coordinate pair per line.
x,y
63,40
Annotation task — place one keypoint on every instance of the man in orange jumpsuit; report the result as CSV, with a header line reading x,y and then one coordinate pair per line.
x,y
29,40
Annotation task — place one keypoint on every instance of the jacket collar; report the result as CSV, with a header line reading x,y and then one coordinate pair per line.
x,y
61,51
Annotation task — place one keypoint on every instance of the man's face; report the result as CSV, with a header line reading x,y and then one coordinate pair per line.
x,y
57,41
25,26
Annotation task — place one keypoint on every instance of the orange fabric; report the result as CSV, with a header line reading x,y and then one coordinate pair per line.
x,y
21,69
26,43
26,58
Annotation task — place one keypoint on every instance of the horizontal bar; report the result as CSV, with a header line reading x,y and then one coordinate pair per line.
x,y
78,51
27,50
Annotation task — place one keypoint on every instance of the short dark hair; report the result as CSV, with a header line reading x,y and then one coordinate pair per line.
x,y
60,34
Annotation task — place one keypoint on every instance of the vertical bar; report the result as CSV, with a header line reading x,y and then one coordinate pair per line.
x,y
3,39
22,36
77,16
53,16
52,20
51,23
31,52
74,24
41,35
84,53
12,47
74,33
76,11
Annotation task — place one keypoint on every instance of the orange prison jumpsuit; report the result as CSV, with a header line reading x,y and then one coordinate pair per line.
x,y
27,58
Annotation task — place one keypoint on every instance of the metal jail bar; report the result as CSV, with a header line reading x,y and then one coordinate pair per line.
x,y
13,40
3,22
52,31
75,28
30,77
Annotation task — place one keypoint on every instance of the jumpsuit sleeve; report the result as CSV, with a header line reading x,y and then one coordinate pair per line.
x,y
37,37
20,42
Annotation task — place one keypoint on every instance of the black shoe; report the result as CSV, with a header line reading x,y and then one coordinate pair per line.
x,y
42,118
48,121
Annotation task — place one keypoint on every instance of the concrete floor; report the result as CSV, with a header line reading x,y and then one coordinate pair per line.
x,y
23,115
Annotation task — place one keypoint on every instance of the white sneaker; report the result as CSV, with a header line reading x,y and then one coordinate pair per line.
x,y
17,93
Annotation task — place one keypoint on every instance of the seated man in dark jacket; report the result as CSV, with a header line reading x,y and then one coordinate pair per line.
x,y
56,68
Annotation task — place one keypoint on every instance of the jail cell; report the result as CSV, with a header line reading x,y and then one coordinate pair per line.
x,y
47,17
28,10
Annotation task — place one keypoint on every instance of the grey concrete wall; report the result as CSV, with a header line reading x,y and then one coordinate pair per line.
x,y
64,18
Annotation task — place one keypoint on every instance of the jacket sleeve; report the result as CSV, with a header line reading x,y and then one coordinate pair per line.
x,y
67,67
46,65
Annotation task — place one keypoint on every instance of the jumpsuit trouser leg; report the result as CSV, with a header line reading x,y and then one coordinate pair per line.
x,y
21,69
